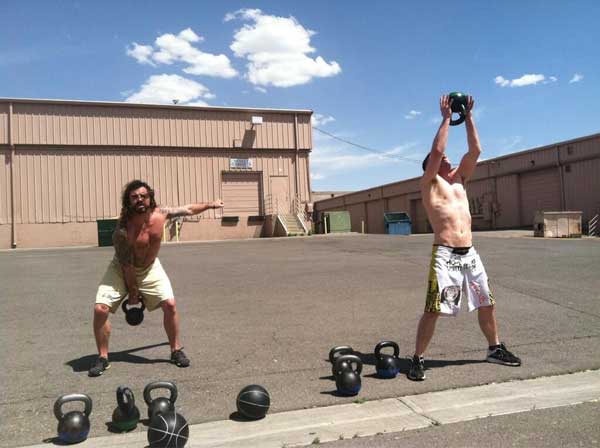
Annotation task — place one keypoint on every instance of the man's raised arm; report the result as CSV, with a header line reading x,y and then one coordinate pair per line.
x,y
190,209
440,141
469,160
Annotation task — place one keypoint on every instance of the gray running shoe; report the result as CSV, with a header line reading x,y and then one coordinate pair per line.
x,y
99,366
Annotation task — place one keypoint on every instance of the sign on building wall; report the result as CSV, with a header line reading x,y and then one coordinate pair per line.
x,y
240,164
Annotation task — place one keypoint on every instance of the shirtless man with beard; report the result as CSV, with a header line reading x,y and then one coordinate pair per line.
x,y
136,272
456,271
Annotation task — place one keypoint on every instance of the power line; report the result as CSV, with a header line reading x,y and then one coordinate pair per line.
x,y
366,148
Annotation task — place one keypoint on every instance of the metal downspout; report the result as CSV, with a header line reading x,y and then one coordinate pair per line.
x,y
296,145
562,180
13,228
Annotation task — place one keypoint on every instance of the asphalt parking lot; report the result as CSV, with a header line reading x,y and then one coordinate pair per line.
x,y
268,311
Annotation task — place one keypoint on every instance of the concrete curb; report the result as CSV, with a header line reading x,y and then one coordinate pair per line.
x,y
306,426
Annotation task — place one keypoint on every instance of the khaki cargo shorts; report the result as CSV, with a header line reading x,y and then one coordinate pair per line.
x,y
153,284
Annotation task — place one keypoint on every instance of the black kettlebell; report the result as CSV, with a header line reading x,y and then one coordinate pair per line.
x,y
459,105
133,316
160,404
126,415
387,365
348,381
74,426
335,353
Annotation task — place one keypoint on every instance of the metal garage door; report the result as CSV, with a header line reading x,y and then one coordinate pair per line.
x,y
241,194
540,190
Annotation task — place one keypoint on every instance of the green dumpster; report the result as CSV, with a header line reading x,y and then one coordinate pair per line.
x,y
106,227
338,222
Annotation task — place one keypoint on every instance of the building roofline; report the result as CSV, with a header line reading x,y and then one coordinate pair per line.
x,y
150,106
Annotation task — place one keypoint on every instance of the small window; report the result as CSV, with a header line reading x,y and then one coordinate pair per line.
x,y
569,150
567,168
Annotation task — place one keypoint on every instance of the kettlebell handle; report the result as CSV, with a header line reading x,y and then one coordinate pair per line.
x,y
160,385
350,359
384,344
87,401
125,399
339,350
126,303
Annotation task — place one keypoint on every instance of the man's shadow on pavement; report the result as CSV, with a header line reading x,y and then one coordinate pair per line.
x,y
83,364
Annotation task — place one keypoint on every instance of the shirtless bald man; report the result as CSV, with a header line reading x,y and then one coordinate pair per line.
x,y
135,270
456,271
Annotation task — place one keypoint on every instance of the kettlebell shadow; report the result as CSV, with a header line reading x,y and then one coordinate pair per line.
x,y
83,363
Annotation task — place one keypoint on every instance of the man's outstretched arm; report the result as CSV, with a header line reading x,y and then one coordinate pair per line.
x,y
469,161
190,209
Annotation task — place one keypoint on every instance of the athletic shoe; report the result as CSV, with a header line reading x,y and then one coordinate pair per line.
x,y
179,359
417,369
99,366
500,355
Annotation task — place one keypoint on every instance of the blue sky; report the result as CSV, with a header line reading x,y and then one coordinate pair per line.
x,y
372,71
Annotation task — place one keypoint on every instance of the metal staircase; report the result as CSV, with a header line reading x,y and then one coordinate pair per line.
x,y
291,221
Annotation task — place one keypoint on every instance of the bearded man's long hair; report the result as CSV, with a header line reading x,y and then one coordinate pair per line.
x,y
127,209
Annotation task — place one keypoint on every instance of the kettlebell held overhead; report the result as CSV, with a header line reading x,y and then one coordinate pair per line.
x,y
459,105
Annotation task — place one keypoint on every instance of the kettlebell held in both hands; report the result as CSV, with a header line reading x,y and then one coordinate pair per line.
x,y
161,404
348,380
336,352
74,426
459,105
133,316
387,365
126,415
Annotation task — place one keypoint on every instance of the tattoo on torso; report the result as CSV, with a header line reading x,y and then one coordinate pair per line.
x,y
123,248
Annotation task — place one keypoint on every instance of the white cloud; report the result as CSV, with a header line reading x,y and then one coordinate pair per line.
x,y
412,114
171,48
321,120
163,89
525,80
329,158
576,78
317,176
260,89
141,53
276,49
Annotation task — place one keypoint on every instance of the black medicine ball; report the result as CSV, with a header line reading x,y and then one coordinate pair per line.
x,y
168,430
253,402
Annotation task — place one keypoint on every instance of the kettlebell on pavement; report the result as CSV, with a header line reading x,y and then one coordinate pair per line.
x,y
126,415
386,365
348,380
161,404
74,426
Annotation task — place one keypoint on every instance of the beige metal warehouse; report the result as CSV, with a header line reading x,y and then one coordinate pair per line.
x,y
504,192
63,165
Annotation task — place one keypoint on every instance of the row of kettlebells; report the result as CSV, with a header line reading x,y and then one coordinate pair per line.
x,y
347,366
74,426
252,403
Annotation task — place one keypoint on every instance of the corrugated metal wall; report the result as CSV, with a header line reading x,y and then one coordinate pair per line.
x,y
3,123
85,124
540,190
4,187
582,183
504,192
82,185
